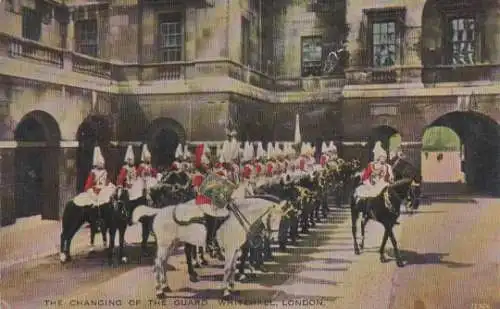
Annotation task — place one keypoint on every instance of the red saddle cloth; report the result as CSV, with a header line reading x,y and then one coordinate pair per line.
x,y
202,199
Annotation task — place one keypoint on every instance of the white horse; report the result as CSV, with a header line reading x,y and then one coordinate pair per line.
x,y
183,224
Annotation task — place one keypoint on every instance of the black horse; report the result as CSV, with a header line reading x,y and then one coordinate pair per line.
x,y
384,208
73,218
403,169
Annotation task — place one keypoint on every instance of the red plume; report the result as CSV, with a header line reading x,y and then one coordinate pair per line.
x,y
198,155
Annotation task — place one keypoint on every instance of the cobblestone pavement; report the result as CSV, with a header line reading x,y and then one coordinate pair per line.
x,y
451,249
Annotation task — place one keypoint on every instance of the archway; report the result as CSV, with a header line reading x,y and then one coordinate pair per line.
x,y
37,166
478,150
94,131
163,136
390,138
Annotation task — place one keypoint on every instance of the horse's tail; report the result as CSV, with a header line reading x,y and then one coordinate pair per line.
x,y
144,211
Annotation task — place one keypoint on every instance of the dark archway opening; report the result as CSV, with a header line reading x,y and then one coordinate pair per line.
x,y
388,136
479,136
163,137
37,166
94,131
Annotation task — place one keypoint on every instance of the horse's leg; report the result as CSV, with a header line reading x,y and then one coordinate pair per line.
x,y
111,245
311,215
382,246
194,256
188,251
204,262
145,235
294,229
229,272
104,237
354,222
397,254
364,221
324,204
243,259
318,208
121,249
162,287
67,234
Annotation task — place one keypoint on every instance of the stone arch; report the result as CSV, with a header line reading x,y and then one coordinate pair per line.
x,y
480,148
385,134
37,165
163,136
95,130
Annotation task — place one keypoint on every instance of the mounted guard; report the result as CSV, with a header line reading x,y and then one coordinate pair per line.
x,y
377,175
146,172
98,188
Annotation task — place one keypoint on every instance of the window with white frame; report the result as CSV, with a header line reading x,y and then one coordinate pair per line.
x,y
86,41
384,44
312,51
462,40
171,41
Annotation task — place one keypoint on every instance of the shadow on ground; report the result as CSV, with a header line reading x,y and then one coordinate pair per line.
x,y
429,258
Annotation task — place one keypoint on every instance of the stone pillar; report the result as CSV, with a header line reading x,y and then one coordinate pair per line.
x,y
191,26
492,37
67,174
7,185
70,35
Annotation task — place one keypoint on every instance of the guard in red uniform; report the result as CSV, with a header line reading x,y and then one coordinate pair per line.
x,y
128,173
98,178
145,168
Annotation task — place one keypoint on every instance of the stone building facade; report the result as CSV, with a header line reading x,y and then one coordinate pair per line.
x,y
119,72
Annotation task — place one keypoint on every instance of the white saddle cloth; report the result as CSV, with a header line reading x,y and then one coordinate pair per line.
x,y
369,190
90,198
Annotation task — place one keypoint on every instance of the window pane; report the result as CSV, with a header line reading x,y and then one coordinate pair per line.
x,y
86,37
463,36
312,51
384,44
171,38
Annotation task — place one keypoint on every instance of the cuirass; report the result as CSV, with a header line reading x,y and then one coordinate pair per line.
x,y
100,177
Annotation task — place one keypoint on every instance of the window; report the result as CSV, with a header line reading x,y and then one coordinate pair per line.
x,y
32,24
311,56
45,10
462,40
384,44
86,37
245,41
386,28
171,37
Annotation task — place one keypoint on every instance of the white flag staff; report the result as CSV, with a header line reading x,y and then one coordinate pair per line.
x,y
297,138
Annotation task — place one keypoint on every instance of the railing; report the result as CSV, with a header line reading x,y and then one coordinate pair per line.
x,y
91,66
14,47
249,75
310,83
27,49
460,73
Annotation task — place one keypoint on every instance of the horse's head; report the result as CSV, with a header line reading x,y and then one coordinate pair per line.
x,y
275,213
401,190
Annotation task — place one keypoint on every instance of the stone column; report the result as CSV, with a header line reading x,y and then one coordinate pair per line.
x,y
7,186
70,36
190,42
67,173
